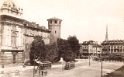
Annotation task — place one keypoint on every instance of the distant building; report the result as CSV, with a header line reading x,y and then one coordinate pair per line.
x,y
113,47
16,33
110,47
90,48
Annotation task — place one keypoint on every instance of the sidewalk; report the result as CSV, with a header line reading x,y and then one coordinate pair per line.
x,y
19,68
15,69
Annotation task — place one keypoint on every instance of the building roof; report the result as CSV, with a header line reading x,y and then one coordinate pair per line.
x,y
91,42
33,25
113,42
54,18
9,4
26,23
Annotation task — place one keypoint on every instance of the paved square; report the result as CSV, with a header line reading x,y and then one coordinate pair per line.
x,y
82,69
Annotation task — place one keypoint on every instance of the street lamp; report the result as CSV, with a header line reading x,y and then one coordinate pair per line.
x,y
101,65
89,59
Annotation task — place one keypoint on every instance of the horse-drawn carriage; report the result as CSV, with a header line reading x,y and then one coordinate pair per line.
x,y
41,68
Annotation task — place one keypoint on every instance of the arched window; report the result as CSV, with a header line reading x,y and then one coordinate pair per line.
x,y
55,21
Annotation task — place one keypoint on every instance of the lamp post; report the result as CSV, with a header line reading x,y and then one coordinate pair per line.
x,y
101,65
89,59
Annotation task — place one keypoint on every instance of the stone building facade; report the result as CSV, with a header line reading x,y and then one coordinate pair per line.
x,y
30,30
113,47
54,25
16,33
91,48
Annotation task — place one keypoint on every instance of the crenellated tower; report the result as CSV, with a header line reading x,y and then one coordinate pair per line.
x,y
54,25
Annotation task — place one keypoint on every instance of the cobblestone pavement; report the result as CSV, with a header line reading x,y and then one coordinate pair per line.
x,y
82,69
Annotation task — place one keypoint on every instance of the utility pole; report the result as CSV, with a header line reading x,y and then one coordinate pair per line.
x,y
101,65
89,59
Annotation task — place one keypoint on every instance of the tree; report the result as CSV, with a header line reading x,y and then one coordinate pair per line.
x,y
74,44
37,50
52,52
64,50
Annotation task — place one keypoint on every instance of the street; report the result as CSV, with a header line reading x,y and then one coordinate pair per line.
x,y
82,69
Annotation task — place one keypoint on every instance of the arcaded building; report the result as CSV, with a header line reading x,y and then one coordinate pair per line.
x,y
16,33
112,47
115,47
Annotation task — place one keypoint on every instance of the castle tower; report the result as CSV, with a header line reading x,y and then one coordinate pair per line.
x,y
54,25
106,36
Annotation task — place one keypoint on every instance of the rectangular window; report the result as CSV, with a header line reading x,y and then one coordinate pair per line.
x,y
13,40
13,36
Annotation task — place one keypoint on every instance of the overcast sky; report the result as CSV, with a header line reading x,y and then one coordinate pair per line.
x,y
86,19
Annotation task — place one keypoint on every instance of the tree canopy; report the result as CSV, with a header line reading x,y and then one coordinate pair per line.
x,y
64,50
43,52
37,50
74,44
52,53
67,49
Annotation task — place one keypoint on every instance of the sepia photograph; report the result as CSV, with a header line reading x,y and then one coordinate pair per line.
x,y
61,38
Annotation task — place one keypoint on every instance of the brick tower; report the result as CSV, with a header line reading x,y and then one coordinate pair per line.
x,y
54,25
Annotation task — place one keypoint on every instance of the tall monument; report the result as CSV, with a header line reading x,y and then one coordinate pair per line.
x,y
106,36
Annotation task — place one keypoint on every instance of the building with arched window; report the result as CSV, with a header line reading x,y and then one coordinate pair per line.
x,y
113,47
16,33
